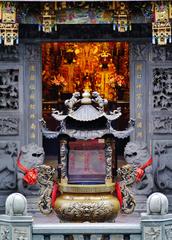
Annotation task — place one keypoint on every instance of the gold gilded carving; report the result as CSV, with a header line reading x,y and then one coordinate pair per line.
x,y
139,115
33,136
139,95
93,208
32,77
32,116
139,106
139,71
32,106
32,68
139,125
140,134
138,85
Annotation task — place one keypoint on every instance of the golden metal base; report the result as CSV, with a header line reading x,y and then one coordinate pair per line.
x,y
82,207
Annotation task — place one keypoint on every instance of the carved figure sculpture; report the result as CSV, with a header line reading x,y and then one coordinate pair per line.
x,y
136,154
31,156
99,100
72,101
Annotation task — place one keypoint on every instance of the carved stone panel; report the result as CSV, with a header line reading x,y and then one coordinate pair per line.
x,y
9,53
5,232
21,233
152,233
32,52
162,124
163,164
9,89
161,53
168,232
9,126
8,154
139,51
162,89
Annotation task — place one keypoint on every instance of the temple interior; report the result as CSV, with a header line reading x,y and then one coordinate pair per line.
x,y
69,67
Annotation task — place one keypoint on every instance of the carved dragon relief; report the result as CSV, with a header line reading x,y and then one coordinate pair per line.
x,y
162,155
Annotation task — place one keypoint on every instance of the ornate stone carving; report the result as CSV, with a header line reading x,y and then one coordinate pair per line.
x,y
46,175
162,156
162,124
9,92
168,232
139,51
9,53
9,126
162,88
86,210
63,157
126,174
8,154
32,156
136,153
108,156
158,54
21,233
5,232
32,52
152,233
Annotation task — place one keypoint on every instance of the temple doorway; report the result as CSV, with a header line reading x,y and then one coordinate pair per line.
x,y
77,66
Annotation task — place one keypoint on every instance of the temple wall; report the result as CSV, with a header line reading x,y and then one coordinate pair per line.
x,y
21,107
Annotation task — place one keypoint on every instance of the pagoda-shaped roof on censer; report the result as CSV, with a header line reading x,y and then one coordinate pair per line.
x,y
86,118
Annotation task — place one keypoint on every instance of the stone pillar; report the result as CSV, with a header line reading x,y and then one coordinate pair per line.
x,y
157,223
16,224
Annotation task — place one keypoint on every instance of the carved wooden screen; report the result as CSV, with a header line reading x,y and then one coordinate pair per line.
x,y
86,162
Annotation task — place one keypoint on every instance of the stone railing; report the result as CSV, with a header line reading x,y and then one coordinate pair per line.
x,y
156,224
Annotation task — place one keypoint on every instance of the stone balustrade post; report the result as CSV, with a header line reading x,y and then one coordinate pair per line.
x,y
156,223
15,224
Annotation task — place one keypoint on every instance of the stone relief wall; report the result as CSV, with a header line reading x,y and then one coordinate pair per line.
x,y
10,118
163,160
9,89
9,126
162,88
8,154
161,117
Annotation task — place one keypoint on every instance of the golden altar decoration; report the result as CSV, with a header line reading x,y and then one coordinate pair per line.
x,y
161,27
86,167
97,66
8,27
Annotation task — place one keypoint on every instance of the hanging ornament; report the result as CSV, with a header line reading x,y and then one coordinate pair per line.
x,y
121,17
48,18
8,26
161,26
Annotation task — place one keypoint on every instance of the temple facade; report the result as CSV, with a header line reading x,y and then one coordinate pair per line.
x,y
150,82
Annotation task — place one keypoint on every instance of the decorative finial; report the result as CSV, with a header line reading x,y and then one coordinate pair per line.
x,y
86,98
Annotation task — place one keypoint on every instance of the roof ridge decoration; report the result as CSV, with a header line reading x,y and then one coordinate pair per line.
x,y
89,109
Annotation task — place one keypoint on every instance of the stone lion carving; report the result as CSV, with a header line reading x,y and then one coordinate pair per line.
x,y
99,100
72,101
31,156
136,153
